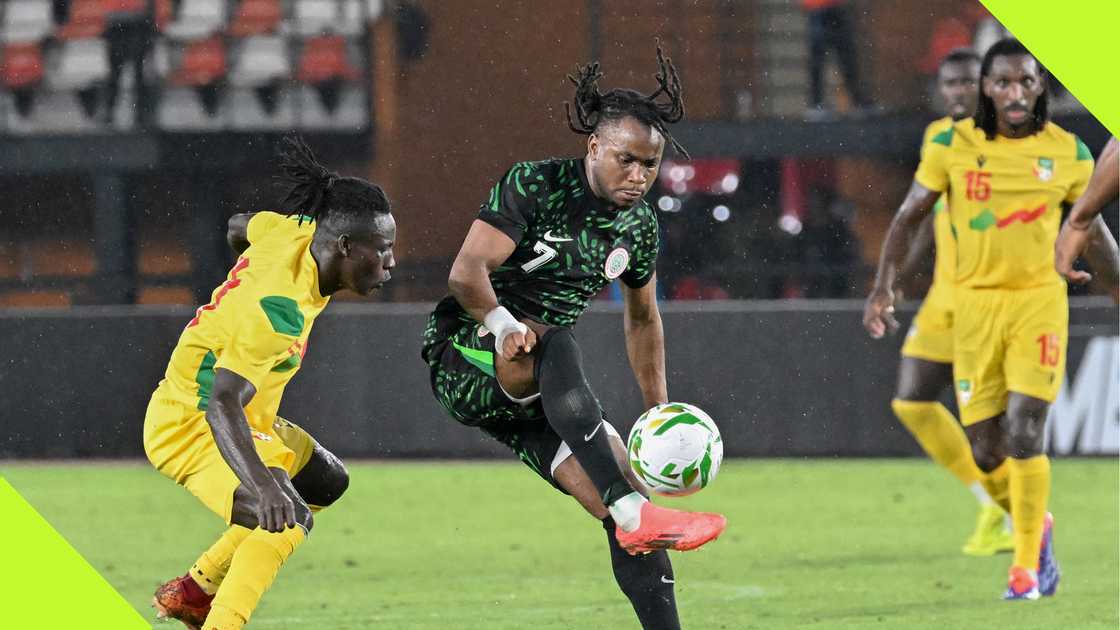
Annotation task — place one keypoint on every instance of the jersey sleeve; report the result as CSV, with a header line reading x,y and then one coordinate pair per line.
x,y
641,269
513,201
265,335
933,170
262,223
1082,171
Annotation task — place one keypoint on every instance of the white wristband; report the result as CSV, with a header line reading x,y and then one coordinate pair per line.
x,y
501,322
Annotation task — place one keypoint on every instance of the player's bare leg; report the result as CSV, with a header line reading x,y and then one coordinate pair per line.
x,y
321,482
920,383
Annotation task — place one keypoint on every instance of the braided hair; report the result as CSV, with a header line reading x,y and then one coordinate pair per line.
x,y
318,194
986,116
593,108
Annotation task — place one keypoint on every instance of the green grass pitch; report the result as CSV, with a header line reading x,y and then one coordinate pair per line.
x,y
811,544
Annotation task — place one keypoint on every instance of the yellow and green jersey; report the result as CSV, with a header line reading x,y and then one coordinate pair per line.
x,y
257,322
1005,200
945,256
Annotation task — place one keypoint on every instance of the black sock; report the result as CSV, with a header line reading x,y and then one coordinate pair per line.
x,y
574,413
648,581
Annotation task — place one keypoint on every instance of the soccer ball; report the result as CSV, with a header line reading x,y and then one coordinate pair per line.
x,y
675,449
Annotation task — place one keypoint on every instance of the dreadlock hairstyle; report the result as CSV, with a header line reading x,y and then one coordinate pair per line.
x,y
986,115
593,108
319,194
964,54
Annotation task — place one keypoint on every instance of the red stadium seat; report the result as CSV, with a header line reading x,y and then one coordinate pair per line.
x,y
21,71
256,17
204,63
204,69
87,19
324,59
22,66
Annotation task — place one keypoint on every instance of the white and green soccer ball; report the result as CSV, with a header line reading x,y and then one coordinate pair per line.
x,y
675,449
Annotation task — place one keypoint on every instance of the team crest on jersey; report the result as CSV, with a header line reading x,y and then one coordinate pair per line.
x,y
964,390
1044,171
617,262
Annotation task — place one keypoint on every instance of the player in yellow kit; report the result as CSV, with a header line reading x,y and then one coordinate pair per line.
x,y
926,369
211,425
1007,174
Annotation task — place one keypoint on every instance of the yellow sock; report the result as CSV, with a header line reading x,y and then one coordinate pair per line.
x,y
996,483
211,567
940,435
1030,490
254,567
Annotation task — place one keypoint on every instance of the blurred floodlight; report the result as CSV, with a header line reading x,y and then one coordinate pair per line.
x,y
669,204
730,183
790,224
721,213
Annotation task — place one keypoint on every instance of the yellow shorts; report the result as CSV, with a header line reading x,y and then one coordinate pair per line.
x,y
1008,341
179,444
931,333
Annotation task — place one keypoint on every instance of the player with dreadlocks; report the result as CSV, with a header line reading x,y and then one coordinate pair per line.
x,y
501,350
211,424
1007,172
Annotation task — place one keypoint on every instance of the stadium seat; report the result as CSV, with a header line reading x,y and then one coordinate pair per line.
x,y
316,17
203,63
203,68
21,70
27,21
325,65
78,64
22,65
262,60
256,17
87,19
325,58
197,19
81,66
262,66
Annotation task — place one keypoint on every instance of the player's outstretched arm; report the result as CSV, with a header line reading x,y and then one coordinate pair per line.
x,y
484,249
237,232
1077,231
226,417
920,253
878,311
645,341
1102,256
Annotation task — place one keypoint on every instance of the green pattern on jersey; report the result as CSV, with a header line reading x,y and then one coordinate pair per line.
x,y
284,314
205,379
565,238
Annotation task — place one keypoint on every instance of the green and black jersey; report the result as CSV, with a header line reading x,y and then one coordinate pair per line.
x,y
570,243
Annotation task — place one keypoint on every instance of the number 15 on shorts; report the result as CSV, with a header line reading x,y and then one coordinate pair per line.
x,y
1050,348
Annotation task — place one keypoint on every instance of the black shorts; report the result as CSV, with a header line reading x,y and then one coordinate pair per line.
x,y
460,356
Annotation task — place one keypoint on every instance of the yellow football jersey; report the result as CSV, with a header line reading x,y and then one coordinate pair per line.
x,y
945,247
1005,197
257,322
